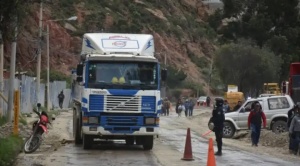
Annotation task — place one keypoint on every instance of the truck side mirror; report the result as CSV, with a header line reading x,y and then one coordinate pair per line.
x,y
164,74
79,70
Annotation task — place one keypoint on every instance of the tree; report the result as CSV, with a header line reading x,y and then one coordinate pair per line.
x,y
246,65
9,10
271,24
175,77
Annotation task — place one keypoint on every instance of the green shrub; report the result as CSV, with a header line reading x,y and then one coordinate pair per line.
x,y
2,120
9,149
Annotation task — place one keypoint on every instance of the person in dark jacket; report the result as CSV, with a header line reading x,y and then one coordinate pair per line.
x,y
208,101
238,106
291,114
61,98
294,131
255,118
218,119
178,103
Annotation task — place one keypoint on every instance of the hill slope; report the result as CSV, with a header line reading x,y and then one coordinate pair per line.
x,y
178,26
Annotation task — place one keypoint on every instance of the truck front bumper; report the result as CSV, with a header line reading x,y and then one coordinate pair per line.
x,y
101,131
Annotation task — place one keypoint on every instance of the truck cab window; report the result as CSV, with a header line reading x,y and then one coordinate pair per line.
x,y
123,75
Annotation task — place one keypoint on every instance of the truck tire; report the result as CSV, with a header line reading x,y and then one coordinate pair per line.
x,y
129,140
76,129
148,142
279,126
228,130
87,141
139,140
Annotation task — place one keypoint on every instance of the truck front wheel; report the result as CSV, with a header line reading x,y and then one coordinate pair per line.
x,y
87,141
76,129
148,142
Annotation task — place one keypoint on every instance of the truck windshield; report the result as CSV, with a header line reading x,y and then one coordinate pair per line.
x,y
123,75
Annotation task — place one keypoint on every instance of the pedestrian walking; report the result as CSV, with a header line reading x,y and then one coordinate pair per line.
x,y
61,98
218,119
187,106
191,107
255,119
167,106
208,101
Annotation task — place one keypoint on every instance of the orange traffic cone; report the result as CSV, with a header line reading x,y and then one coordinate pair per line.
x,y
211,161
188,154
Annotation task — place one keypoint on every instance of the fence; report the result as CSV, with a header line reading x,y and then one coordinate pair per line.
x,y
28,98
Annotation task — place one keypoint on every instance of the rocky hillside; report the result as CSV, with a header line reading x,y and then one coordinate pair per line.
x,y
179,27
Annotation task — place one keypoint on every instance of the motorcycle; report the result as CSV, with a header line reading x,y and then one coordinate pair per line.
x,y
39,127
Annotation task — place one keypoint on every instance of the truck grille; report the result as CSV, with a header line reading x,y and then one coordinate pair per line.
x,y
123,103
122,120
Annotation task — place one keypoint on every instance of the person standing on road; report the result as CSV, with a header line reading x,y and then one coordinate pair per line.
x,y
191,107
61,98
218,119
226,107
294,131
208,101
167,106
178,103
255,118
291,114
187,107
238,106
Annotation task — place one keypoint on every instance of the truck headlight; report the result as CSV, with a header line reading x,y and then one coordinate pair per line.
x,y
150,121
93,120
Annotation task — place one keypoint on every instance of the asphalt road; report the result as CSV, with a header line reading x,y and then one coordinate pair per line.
x,y
168,150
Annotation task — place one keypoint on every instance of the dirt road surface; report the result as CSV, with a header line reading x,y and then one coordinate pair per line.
x,y
168,148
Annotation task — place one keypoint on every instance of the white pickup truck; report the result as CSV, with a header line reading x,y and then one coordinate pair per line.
x,y
274,107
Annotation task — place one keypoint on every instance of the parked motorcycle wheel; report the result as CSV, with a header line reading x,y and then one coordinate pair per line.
x,y
33,144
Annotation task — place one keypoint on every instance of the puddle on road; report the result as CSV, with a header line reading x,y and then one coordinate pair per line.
x,y
231,157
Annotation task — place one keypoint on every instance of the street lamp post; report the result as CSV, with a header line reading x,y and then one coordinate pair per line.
x,y
39,56
48,57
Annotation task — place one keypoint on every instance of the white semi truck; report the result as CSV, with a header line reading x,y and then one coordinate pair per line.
x,y
116,89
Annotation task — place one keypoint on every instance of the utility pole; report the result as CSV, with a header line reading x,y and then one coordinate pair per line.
x,y
39,57
12,73
165,60
1,67
48,70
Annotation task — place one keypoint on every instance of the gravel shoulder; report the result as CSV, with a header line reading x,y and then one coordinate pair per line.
x,y
270,143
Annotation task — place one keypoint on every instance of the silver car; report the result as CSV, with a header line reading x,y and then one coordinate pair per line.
x,y
274,107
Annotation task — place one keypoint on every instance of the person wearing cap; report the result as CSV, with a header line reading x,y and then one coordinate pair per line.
x,y
255,118
218,119
294,131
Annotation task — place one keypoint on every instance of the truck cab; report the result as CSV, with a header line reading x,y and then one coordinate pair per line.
x,y
116,92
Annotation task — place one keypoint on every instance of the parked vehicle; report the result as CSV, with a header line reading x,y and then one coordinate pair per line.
x,y
293,86
116,90
201,100
266,95
274,107
39,127
272,88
